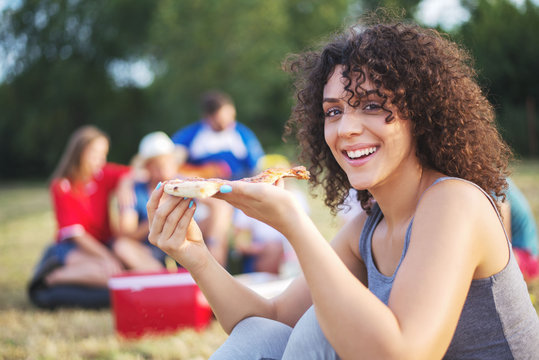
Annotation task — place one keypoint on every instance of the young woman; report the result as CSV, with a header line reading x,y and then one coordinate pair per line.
x,y
427,271
74,271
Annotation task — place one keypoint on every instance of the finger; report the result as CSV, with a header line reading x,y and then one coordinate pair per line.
x,y
153,203
161,214
187,227
173,218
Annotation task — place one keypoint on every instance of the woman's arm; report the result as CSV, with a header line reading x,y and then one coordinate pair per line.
x,y
129,226
427,297
125,191
173,230
90,245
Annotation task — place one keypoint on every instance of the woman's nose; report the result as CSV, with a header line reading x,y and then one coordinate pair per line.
x,y
350,124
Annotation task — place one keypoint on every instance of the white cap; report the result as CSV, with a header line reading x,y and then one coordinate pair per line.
x,y
155,144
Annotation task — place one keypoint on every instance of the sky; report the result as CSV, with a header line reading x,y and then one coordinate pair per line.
x,y
446,13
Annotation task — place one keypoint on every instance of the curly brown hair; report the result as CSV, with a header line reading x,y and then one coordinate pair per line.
x,y
427,78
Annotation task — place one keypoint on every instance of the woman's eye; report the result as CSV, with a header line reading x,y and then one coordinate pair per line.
x,y
332,112
372,107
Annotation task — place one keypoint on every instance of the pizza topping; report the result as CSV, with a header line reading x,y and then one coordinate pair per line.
x,y
197,187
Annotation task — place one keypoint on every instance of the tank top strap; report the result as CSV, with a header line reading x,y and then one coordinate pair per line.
x,y
443,178
368,229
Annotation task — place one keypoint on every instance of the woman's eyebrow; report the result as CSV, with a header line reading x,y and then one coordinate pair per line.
x,y
331,100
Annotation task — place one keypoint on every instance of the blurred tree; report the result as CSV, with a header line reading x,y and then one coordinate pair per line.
x,y
504,40
64,58
58,78
409,6
236,46
62,53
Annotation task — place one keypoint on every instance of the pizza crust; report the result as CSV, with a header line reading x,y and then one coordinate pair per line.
x,y
199,189
202,188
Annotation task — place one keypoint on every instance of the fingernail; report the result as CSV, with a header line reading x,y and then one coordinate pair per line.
x,y
158,185
225,189
191,204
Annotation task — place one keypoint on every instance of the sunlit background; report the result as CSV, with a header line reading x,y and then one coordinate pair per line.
x,y
135,67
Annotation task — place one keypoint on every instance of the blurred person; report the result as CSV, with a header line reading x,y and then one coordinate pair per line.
x,y
218,146
158,160
520,225
262,248
219,139
75,269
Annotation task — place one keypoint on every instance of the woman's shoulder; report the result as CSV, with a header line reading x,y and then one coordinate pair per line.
x,y
60,185
459,207
449,191
454,205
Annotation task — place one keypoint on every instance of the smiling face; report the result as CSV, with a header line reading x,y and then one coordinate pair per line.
x,y
370,150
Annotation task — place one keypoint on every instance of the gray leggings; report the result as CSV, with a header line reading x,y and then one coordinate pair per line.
x,y
257,338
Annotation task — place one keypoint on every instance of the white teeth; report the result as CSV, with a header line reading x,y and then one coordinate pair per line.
x,y
359,153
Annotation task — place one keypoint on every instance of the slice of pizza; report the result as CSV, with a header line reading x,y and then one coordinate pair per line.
x,y
271,175
197,187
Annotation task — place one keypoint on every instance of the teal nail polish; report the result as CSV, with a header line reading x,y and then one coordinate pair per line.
x,y
191,204
225,189
158,185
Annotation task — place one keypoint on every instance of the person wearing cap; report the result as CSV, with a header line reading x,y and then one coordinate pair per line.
x,y
157,160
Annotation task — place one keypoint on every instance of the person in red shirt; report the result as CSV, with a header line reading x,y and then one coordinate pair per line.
x,y
87,252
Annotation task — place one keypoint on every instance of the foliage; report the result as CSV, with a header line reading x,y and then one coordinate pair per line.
x,y
503,40
240,53
60,74
59,79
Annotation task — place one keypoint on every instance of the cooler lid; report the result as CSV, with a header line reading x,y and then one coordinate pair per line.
x,y
138,282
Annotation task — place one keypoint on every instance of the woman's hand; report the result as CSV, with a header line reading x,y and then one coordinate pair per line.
x,y
271,204
174,231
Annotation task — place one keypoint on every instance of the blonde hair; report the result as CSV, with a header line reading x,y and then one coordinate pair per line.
x,y
69,164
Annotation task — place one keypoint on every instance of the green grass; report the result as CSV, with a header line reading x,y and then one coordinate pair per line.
x,y
27,226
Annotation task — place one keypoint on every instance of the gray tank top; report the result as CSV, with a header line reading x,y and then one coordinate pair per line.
x,y
498,320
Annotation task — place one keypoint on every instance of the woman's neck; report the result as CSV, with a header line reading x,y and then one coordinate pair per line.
x,y
398,196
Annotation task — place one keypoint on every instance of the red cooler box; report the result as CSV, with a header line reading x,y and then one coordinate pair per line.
x,y
157,303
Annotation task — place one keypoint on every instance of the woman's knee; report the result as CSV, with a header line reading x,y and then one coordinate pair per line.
x,y
307,341
255,338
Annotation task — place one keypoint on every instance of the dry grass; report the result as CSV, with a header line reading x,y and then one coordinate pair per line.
x,y
27,225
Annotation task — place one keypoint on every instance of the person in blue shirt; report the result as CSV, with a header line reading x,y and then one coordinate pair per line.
x,y
218,146
219,140
156,161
